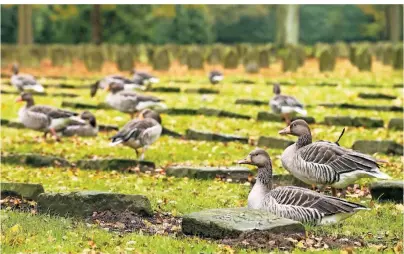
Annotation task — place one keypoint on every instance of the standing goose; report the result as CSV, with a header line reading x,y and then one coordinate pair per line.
x,y
44,118
325,163
128,84
285,105
130,102
25,82
88,128
140,133
215,77
291,202
145,77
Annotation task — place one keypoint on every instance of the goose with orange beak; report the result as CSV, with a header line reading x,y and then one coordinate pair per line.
x,y
325,163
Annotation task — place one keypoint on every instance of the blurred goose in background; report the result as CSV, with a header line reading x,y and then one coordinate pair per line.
x,y
131,102
285,105
44,118
215,77
140,133
25,82
88,128
145,77
292,202
128,84
325,163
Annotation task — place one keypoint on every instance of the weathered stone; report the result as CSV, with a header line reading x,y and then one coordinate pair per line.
x,y
388,54
124,59
163,89
60,56
201,90
251,61
231,222
181,111
396,124
220,113
194,59
244,82
263,58
83,204
398,57
34,160
267,116
25,190
363,59
352,54
251,102
200,135
231,59
161,59
376,96
85,106
69,95
106,127
276,143
234,173
354,121
290,60
322,84
116,164
373,146
327,60
215,56
171,133
10,124
364,107
341,49
387,191
93,58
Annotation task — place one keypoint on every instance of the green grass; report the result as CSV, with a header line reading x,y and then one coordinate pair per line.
x,y
23,232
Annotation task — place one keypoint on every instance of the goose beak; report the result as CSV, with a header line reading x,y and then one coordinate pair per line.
x,y
18,99
285,131
247,160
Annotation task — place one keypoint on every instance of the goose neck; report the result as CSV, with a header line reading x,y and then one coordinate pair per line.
x,y
304,140
264,176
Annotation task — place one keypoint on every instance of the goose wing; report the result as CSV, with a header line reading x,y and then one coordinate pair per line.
x,y
284,100
133,129
52,112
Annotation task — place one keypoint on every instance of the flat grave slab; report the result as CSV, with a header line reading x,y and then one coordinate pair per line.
x,y
200,135
34,160
272,142
373,96
251,102
221,113
201,90
387,191
116,164
354,121
362,107
25,190
373,146
268,116
171,133
396,124
235,173
232,222
165,89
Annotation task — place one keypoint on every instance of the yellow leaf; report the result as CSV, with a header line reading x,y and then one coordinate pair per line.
x,y
16,228
398,248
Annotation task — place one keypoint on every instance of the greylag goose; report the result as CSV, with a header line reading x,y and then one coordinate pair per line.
x,y
285,105
149,113
325,163
139,133
25,82
88,128
292,202
215,77
130,102
44,118
145,77
128,84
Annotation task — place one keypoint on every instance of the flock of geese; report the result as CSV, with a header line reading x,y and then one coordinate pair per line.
x,y
319,163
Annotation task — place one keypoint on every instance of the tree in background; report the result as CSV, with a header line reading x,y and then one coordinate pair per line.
x,y
96,24
394,22
287,25
25,34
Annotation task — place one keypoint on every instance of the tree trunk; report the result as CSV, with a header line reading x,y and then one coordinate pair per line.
x,y
25,35
394,22
96,24
287,25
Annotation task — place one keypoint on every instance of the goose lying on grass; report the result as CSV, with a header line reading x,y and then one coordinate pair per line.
x,y
291,202
131,102
325,163
128,84
140,133
285,105
88,128
144,77
25,82
44,118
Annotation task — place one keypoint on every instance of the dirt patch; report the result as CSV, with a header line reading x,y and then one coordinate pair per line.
x,y
16,203
159,223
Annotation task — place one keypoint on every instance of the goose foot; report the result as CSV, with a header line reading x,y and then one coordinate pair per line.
x,y
334,191
57,138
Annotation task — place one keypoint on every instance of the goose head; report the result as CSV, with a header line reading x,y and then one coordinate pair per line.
x,y
89,118
15,69
148,113
27,97
258,157
115,87
296,128
277,88
94,88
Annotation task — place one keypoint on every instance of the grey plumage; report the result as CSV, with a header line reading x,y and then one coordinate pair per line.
x,y
25,82
128,84
215,77
284,104
293,202
88,128
325,163
144,77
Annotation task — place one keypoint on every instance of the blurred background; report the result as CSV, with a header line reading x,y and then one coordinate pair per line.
x,y
199,24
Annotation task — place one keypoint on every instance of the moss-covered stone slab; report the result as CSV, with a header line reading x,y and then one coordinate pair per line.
x,y
11,124
181,111
83,204
363,107
201,91
387,191
116,164
251,102
25,190
272,142
67,86
163,89
373,146
200,135
106,127
267,116
243,82
84,105
354,121
234,173
171,133
68,95
232,222
34,160
376,96
221,113
396,124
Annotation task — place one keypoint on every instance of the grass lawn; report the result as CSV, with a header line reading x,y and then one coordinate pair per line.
x,y
380,228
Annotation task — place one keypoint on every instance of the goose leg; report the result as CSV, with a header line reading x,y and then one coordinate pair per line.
x,y
343,193
54,134
131,115
137,153
287,118
143,152
45,134
334,191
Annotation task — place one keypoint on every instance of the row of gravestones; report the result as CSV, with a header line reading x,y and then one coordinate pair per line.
x,y
252,57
